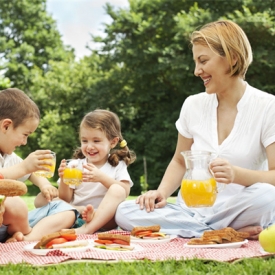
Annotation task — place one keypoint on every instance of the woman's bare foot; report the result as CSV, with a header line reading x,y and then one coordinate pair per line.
x,y
254,231
16,237
88,213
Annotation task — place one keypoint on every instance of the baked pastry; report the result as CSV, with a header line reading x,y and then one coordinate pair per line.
x,y
220,236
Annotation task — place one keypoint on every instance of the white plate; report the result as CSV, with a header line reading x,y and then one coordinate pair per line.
x,y
136,248
222,245
265,252
43,252
148,240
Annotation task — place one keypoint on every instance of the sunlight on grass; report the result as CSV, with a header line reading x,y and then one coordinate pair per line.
x,y
29,201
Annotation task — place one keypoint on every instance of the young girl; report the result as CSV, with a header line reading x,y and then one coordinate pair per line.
x,y
106,181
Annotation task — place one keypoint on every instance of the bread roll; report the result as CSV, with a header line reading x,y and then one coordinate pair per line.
x,y
153,228
10,188
107,236
47,238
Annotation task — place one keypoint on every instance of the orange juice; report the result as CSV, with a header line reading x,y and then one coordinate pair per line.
x,y
47,174
199,193
72,176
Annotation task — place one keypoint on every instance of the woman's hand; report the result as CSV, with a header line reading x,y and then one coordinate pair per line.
x,y
151,200
222,170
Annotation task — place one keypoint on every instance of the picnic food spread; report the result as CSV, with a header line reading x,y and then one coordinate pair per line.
x,y
221,236
152,232
60,239
113,242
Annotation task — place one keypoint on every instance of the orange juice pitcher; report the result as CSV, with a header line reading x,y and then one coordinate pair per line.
x,y
198,187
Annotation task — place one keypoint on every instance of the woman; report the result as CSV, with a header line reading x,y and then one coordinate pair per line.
x,y
235,121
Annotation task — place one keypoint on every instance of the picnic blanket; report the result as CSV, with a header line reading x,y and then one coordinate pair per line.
x,y
16,253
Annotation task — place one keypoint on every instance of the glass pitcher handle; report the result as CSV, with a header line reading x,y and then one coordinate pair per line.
x,y
220,186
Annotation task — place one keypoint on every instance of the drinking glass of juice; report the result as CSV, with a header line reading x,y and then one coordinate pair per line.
x,y
72,174
47,174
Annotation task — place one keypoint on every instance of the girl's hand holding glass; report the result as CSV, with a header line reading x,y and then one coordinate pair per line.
x,y
71,171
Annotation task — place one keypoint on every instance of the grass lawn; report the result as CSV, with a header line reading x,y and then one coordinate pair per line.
x,y
192,267
255,266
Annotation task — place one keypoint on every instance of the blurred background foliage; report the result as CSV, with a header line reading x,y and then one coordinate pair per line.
x,y
143,71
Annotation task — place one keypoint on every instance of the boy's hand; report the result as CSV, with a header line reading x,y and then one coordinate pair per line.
x,y
49,192
36,161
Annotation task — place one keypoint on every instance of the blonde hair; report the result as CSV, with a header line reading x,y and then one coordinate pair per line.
x,y
227,39
109,123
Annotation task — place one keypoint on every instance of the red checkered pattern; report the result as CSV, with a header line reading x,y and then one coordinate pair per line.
x,y
15,253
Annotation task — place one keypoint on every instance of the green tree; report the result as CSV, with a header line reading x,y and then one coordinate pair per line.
x,y
65,94
28,39
4,83
148,60
143,71
29,42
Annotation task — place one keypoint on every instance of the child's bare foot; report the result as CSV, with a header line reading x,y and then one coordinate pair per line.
x,y
254,231
88,213
16,237
80,209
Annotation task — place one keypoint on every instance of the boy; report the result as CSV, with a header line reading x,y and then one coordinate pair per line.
x,y
19,117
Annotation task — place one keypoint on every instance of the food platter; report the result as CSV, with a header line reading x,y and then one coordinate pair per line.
x,y
167,239
264,252
136,248
44,252
222,245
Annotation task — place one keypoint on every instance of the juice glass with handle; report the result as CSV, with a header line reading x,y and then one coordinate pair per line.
x,y
72,174
47,174
199,188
